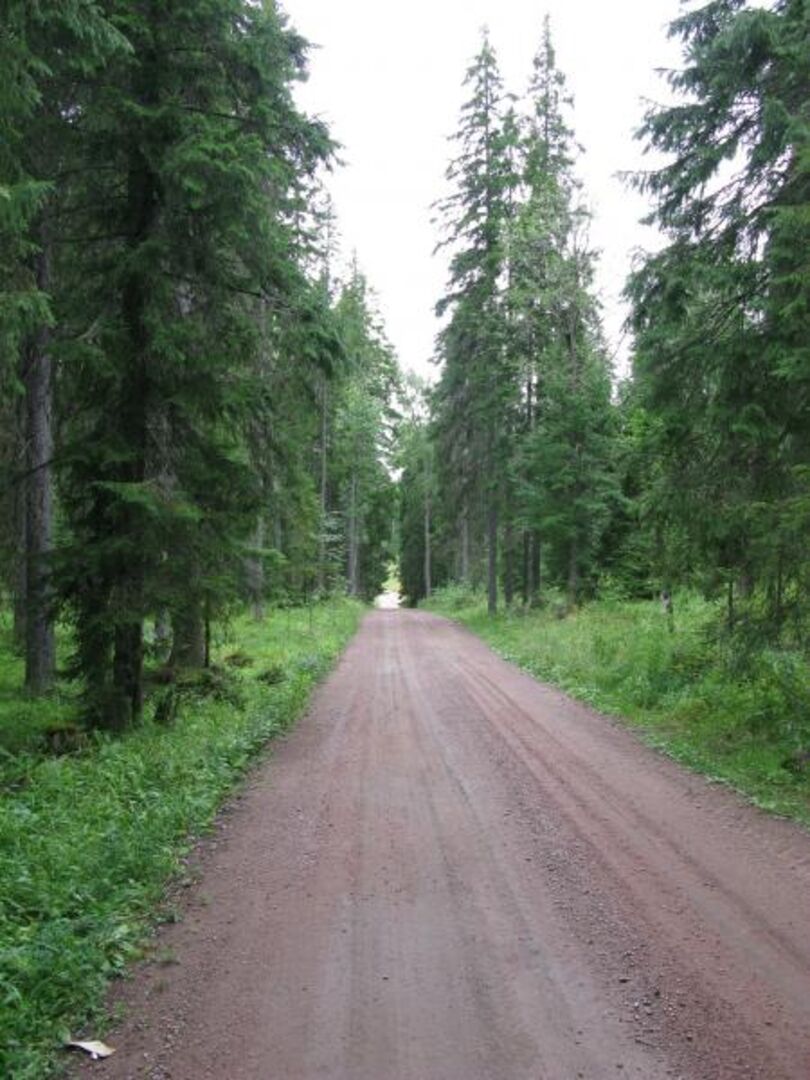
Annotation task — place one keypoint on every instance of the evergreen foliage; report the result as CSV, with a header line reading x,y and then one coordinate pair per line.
x,y
473,393
522,412
721,313
363,428
161,298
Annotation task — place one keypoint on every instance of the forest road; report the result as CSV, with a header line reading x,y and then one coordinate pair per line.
x,y
451,872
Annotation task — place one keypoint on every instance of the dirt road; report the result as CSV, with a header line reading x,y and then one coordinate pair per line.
x,y
449,872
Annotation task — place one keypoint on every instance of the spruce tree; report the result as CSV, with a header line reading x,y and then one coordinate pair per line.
x,y
721,313
473,394
46,49
188,216
363,438
421,561
561,460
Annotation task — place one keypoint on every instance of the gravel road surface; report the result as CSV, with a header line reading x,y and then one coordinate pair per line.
x,y
451,872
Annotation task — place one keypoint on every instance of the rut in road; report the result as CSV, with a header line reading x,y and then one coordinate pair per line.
x,y
451,872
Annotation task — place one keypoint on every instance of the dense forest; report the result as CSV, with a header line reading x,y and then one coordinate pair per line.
x,y
196,409
200,412
531,467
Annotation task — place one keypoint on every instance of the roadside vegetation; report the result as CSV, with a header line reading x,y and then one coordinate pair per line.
x,y
740,716
93,827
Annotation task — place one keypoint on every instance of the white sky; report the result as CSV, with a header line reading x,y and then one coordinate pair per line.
x,y
387,77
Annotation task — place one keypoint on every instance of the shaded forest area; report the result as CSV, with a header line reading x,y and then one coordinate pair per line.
x,y
195,410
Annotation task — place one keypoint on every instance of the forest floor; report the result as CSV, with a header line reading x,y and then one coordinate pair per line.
x,y
451,872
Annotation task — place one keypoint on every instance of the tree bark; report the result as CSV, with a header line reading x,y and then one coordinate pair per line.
x,y
127,701
323,486
163,635
128,591
527,568
20,534
255,572
535,568
428,553
492,559
353,539
464,546
40,650
573,573
509,565
188,625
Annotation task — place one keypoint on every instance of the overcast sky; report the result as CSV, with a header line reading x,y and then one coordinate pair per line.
x,y
388,79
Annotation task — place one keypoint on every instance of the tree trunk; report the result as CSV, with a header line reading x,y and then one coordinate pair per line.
x,y
573,573
20,536
254,567
526,567
132,421
428,569
127,701
532,550
353,540
188,624
163,635
464,546
778,611
323,486
509,565
746,582
492,558
40,652
536,594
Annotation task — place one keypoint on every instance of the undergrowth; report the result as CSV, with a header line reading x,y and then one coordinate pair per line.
x,y
90,839
740,715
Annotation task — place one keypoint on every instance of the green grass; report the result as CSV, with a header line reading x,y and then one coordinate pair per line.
x,y
90,840
744,721
23,721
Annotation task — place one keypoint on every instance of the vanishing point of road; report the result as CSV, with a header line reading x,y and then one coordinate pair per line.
x,y
451,872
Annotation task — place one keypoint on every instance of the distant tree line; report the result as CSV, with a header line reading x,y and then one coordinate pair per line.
x,y
526,469
194,414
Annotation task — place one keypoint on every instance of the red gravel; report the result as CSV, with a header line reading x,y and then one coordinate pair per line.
x,y
450,872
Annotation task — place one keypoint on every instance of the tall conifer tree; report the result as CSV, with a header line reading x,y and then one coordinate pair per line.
x,y
46,50
721,314
471,396
189,219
